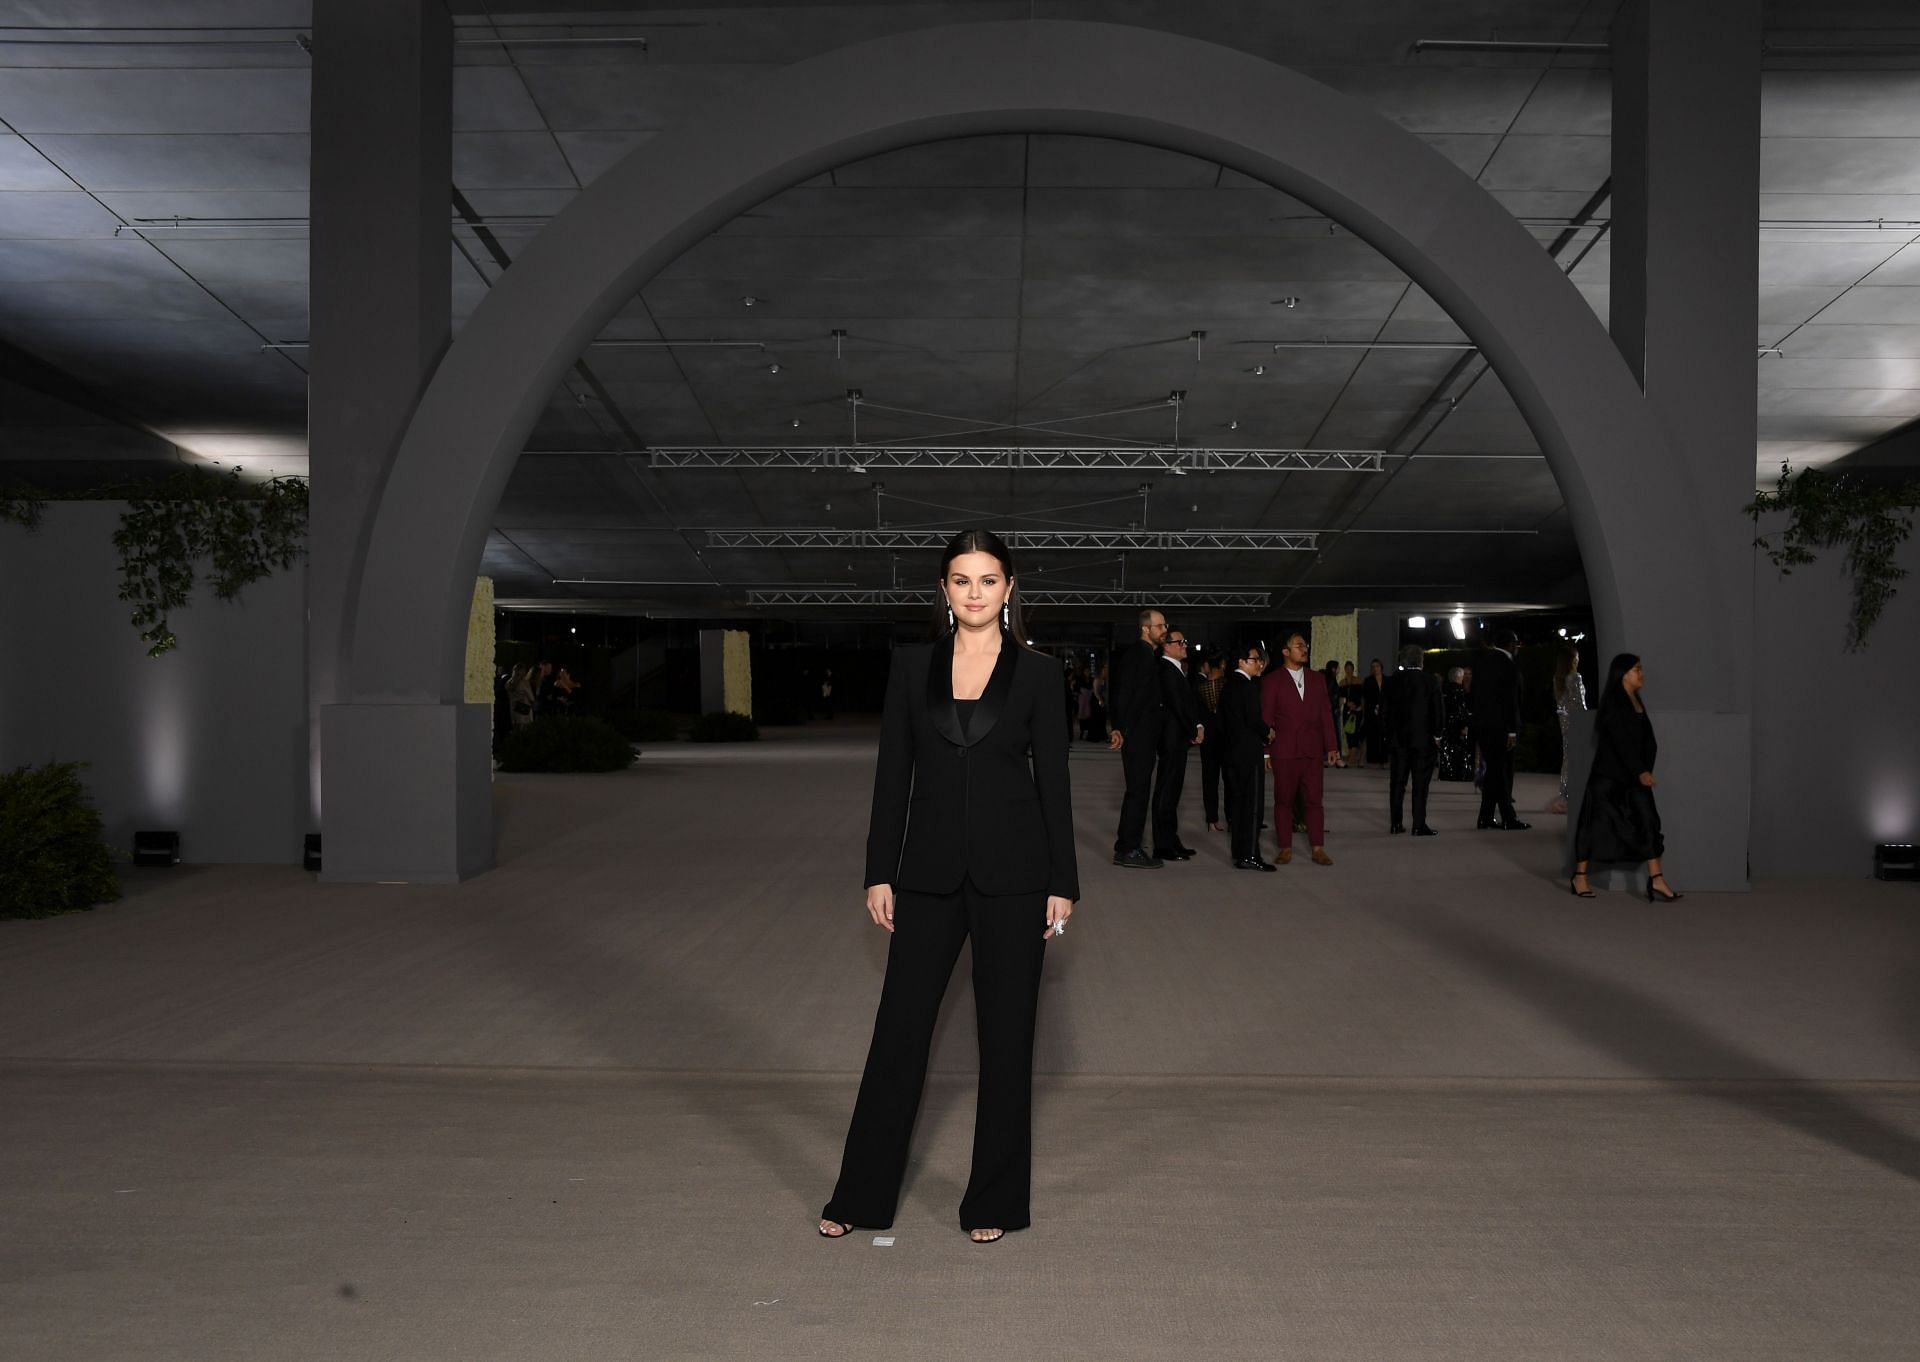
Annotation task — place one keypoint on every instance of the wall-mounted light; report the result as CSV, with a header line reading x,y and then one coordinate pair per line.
x,y
156,848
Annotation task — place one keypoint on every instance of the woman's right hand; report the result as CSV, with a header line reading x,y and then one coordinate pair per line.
x,y
1646,779
880,905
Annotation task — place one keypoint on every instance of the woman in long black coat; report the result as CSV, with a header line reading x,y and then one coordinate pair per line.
x,y
971,835
1619,820
1373,727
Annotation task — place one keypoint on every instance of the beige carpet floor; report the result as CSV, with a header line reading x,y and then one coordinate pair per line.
x,y
1420,1104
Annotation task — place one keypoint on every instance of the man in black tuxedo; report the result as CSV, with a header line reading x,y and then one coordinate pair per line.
x,y
1244,736
1413,716
1134,711
1180,728
1496,727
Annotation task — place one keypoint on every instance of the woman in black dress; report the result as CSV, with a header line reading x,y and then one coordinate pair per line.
x,y
971,835
1373,692
1618,818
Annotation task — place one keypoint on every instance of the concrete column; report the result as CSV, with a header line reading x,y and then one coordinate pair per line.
x,y
1685,268
381,308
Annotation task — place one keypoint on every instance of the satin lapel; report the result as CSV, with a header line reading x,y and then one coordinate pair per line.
x,y
994,699
940,707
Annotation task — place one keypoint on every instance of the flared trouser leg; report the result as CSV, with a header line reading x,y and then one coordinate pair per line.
x,y
1007,953
1009,948
927,932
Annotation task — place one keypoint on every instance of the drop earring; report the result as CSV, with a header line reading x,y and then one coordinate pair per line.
x,y
1006,614
951,622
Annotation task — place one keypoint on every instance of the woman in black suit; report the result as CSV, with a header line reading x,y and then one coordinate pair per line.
x,y
1618,818
971,835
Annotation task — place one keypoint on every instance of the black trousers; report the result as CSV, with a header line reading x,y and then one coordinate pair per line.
x,y
1496,787
1137,756
1210,771
1008,950
1419,762
1169,783
1246,802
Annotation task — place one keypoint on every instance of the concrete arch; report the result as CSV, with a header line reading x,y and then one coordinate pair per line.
x,y
1633,512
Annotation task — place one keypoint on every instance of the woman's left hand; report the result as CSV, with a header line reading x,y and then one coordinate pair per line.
x,y
1058,911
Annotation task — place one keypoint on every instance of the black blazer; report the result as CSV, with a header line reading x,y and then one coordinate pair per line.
x,y
1496,693
1623,744
948,805
1179,706
1411,711
1241,728
1136,698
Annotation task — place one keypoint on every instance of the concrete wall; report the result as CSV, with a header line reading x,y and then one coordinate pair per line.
x,y
1836,735
209,740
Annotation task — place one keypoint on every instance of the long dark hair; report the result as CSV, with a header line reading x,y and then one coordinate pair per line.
x,y
1613,695
987,542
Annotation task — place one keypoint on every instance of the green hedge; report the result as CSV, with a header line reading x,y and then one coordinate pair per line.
x,y
566,744
724,726
52,857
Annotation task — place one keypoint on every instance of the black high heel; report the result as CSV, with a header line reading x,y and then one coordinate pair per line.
x,y
1655,896
1579,893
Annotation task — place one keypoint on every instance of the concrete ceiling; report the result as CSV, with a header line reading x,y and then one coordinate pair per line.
x,y
1039,281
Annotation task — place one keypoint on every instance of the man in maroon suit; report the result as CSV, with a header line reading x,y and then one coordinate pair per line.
x,y
1293,703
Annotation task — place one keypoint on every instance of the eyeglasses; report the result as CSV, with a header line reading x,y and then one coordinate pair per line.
x,y
1176,643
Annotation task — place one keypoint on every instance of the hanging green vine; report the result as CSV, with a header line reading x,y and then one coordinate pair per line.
x,y
1834,510
245,530
23,505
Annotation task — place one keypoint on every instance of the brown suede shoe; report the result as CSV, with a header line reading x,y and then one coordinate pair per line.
x,y
1320,856
1286,856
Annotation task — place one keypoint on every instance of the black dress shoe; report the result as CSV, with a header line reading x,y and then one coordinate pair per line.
x,y
1174,854
1255,863
1514,825
1487,823
1137,859
1398,827
1422,830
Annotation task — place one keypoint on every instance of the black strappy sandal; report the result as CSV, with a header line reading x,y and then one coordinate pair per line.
x,y
1586,893
1669,895
825,1233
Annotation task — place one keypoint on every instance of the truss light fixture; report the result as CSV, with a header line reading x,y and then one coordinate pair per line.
x,y
773,368
1288,301
749,301
1081,458
1102,541
1259,369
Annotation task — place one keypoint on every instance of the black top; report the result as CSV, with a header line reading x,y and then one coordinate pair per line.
x,y
1241,728
1134,695
988,800
1411,709
1624,744
1496,693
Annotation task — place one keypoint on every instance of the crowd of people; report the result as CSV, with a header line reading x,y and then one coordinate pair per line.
x,y
528,690
1258,719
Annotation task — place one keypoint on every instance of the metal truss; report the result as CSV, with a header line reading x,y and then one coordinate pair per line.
x,y
1167,599
1177,462
1104,540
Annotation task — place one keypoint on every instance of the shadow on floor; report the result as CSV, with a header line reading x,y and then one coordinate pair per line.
x,y
1653,1037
